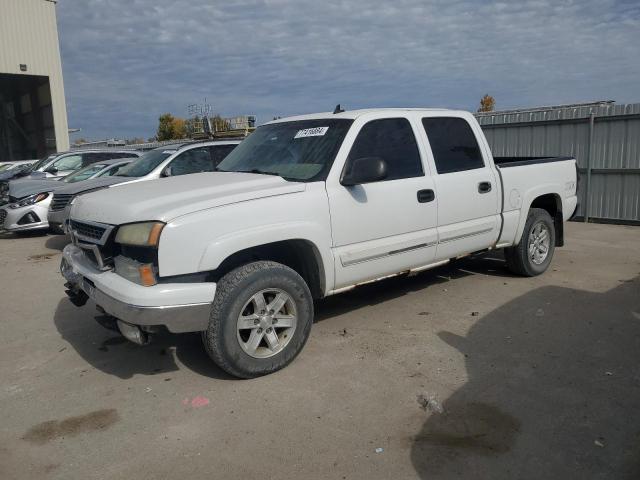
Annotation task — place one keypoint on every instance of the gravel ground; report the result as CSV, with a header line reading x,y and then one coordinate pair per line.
x,y
460,372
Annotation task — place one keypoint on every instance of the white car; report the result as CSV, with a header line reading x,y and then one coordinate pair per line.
x,y
307,207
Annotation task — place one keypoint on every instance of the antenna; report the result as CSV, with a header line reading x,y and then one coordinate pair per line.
x,y
338,109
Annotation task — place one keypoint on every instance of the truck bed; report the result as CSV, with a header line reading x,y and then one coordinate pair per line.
x,y
504,162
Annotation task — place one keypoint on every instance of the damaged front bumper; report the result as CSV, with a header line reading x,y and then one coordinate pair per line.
x,y
181,307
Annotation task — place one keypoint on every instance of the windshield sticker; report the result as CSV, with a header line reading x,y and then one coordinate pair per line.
x,y
169,151
311,132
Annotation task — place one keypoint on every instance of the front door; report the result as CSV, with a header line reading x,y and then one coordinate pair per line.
x,y
383,227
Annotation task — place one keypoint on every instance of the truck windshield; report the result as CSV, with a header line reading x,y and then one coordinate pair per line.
x,y
146,163
301,151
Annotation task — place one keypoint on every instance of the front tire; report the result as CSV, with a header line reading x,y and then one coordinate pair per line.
x,y
260,319
533,254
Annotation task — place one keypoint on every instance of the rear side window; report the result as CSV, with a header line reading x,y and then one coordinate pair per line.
x,y
90,158
219,152
453,144
391,139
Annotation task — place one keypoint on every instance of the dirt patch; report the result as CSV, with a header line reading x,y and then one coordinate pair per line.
x,y
46,431
477,427
41,257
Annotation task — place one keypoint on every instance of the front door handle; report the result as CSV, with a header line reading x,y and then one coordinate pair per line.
x,y
484,187
425,196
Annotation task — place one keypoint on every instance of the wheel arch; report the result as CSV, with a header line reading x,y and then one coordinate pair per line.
x,y
549,201
301,255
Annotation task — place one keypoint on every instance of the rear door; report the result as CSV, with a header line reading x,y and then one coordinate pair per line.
x,y
468,193
387,226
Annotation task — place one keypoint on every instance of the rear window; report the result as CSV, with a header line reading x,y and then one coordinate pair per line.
x,y
453,144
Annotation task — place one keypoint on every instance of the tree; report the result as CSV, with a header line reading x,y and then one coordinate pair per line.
x,y
487,103
170,127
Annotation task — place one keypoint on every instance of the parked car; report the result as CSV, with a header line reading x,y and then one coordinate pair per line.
x,y
331,201
177,159
16,164
62,164
29,199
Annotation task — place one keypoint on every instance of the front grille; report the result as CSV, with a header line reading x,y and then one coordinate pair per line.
x,y
60,201
87,230
3,216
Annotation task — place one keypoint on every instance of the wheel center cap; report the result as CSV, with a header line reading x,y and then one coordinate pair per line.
x,y
265,321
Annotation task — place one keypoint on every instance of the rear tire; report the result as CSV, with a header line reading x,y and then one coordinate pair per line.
x,y
260,319
533,254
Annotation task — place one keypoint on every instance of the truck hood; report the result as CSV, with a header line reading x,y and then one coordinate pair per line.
x,y
24,187
91,184
167,198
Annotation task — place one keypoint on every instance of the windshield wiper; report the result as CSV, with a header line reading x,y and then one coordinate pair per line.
x,y
261,172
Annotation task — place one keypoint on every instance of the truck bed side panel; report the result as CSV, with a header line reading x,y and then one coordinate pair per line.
x,y
524,182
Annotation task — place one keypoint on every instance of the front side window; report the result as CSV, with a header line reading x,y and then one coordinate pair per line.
x,y
71,162
146,163
392,140
195,160
302,150
109,172
453,144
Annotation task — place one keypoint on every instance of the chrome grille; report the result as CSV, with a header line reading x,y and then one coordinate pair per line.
x,y
3,216
59,201
88,231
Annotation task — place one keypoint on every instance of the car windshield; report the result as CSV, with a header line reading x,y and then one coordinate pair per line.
x,y
146,163
41,163
84,173
301,150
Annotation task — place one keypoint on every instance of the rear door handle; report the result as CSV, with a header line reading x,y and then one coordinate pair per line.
x,y
484,187
425,196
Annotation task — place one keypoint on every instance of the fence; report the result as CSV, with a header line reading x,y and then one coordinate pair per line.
x,y
602,136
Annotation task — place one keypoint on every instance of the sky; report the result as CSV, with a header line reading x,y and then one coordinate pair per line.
x,y
125,62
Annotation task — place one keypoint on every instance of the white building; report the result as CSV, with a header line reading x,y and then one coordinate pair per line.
x,y
33,114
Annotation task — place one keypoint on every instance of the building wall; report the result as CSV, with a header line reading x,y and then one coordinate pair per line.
x,y
603,137
29,35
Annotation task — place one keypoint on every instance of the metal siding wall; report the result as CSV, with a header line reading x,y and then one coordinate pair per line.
x,y
565,132
29,35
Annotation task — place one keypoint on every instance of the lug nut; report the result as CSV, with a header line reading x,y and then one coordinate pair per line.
x,y
256,321
268,330
259,330
275,320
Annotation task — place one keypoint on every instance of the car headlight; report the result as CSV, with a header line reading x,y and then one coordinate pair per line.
x,y
146,234
30,200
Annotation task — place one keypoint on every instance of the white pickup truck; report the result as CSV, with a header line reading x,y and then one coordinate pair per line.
x,y
304,208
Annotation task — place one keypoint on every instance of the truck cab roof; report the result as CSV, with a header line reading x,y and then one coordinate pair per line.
x,y
354,114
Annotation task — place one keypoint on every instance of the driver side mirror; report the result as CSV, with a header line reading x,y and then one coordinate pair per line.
x,y
167,172
364,170
52,170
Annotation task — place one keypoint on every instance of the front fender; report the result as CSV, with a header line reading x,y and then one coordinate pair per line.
x,y
201,241
224,246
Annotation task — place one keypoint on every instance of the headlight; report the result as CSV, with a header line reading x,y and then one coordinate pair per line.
x,y
145,234
38,197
